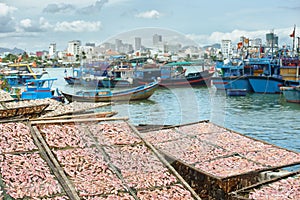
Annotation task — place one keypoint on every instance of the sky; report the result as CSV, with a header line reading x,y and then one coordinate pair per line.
x,y
33,25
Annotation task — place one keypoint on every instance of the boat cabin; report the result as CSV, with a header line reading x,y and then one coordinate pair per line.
x,y
38,88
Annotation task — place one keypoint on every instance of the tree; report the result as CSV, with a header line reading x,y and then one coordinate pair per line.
x,y
10,58
77,57
83,55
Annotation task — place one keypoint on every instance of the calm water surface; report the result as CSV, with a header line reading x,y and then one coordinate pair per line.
x,y
262,116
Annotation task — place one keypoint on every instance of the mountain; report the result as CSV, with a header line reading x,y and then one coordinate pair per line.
x,y
216,46
15,50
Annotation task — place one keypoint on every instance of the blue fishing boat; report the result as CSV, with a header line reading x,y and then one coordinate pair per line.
x,y
18,73
232,75
88,74
266,76
291,94
41,89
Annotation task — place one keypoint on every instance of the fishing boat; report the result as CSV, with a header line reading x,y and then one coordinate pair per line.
x,y
291,94
106,95
18,73
41,89
290,70
74,79
266,76
118,75
174,75
236,92
231,74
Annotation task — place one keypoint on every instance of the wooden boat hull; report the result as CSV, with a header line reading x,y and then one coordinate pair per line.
x,y
72,80
291,94
138,93
192,79
236,92
23,111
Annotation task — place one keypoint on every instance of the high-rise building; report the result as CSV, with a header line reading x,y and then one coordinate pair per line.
x,y
272,40
137,43
74,47
52,49
226,48
157,39
118,44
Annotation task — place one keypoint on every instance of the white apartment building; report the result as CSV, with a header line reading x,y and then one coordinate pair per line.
x,y
74,47
88,50
52,50
226,48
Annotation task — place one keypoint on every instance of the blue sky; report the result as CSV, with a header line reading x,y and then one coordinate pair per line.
x,y
33,25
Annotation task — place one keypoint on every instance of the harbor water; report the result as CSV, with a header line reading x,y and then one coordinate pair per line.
x,y
263,116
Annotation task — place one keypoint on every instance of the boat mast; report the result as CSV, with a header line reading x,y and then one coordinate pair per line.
x,y
272,44
293,35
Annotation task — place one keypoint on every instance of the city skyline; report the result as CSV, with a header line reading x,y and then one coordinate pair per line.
x,y
33,25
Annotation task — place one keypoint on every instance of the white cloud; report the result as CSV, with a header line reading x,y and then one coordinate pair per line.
x,y
56,8
234,36
5,9
77,26
28,25
117,2
25,23
152,14
44,24
95,8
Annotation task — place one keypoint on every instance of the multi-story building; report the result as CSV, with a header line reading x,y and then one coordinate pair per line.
x,y
226,48
89,52
52,50
74,47
118,44
157,40
137,43
272,40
